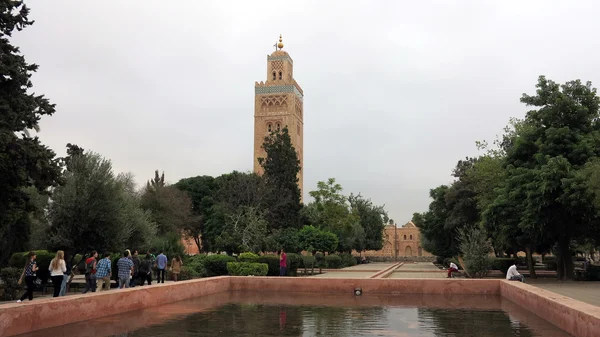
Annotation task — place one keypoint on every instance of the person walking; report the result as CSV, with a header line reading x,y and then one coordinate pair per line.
x,y
57,270
176,264
90,272
29,274
104,273
136,267
145,271
161,263
125,266
282,263
67,274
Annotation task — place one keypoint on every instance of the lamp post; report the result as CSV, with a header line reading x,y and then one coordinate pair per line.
x,y
395,242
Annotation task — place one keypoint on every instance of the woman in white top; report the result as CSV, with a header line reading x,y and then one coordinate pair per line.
x,y
57,270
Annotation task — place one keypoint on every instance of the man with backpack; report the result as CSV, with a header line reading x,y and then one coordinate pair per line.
x,y
90,273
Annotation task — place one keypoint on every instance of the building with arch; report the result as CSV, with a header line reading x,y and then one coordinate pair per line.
x,y
402,241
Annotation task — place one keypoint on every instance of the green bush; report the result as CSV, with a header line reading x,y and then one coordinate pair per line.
x,y
248,257
293,263
170,245
272,261
216,265
502,264
247,269
43,259
10,277
333,261
196,262
307,261
348,260
320,261
476,249
189,272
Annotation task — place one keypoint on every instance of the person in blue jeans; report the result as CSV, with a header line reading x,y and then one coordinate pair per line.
x,y
161,264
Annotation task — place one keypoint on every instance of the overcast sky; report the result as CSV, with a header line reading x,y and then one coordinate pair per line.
x,y
396,92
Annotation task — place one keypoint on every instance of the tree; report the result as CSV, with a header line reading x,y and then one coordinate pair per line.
x,y
281,167
315,240
476,250
95,210
170,208
245,230
552,144
372,220
331,211
436,238
200,189
24,161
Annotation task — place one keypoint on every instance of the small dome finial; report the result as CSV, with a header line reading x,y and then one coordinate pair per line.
x,y
280,44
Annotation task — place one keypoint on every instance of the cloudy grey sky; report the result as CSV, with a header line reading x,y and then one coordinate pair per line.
x,y
396,92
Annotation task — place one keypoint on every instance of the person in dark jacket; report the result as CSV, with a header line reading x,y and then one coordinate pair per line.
x,y
136,267
145,269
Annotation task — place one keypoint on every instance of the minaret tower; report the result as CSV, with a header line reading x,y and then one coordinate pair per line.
x,y
278,102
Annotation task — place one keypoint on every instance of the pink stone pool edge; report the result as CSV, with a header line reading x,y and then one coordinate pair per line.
x,y
575,317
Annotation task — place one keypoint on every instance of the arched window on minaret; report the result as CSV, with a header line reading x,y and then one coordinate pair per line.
x,y
269,128
278,126
280,75
274,76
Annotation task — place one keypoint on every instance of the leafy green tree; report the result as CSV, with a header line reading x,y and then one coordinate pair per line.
x,y
245,231
96,210
200,189
281,167
315,240
24,161
331,211
553,143
169,207
372,220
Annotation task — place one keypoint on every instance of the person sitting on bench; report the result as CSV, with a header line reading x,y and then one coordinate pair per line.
x,y
513,275
452,269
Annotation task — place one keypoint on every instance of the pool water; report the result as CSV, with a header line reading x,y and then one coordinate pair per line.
x,y
273,314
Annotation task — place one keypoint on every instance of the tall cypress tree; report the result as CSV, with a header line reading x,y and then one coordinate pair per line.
x,y
24,161
281,167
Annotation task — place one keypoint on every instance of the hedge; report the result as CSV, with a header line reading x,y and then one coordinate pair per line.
x,y
10,277
247,269
43,259
272,261
216,265
333,261
348,260
196,263
188,272
293,263
248,257
592,273
503,263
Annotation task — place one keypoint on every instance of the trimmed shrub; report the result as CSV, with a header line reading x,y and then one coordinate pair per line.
x,y
189,272
333,261
293,263
592,273
503,264
10,277
272,261
248,257
348,260
247,269
43,259
216,265
307,261
196,263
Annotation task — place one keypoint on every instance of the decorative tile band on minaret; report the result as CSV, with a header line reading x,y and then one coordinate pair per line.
x,y
279,102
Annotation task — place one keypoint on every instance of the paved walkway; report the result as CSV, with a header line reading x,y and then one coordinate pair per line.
x,y
358,271
418,270
588,292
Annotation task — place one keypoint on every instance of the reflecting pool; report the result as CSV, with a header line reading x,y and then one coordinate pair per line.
x,y
302,314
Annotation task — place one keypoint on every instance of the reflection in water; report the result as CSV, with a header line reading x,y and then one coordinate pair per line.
x,y
260,314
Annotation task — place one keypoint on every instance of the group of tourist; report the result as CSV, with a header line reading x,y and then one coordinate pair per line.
x,y
132,270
